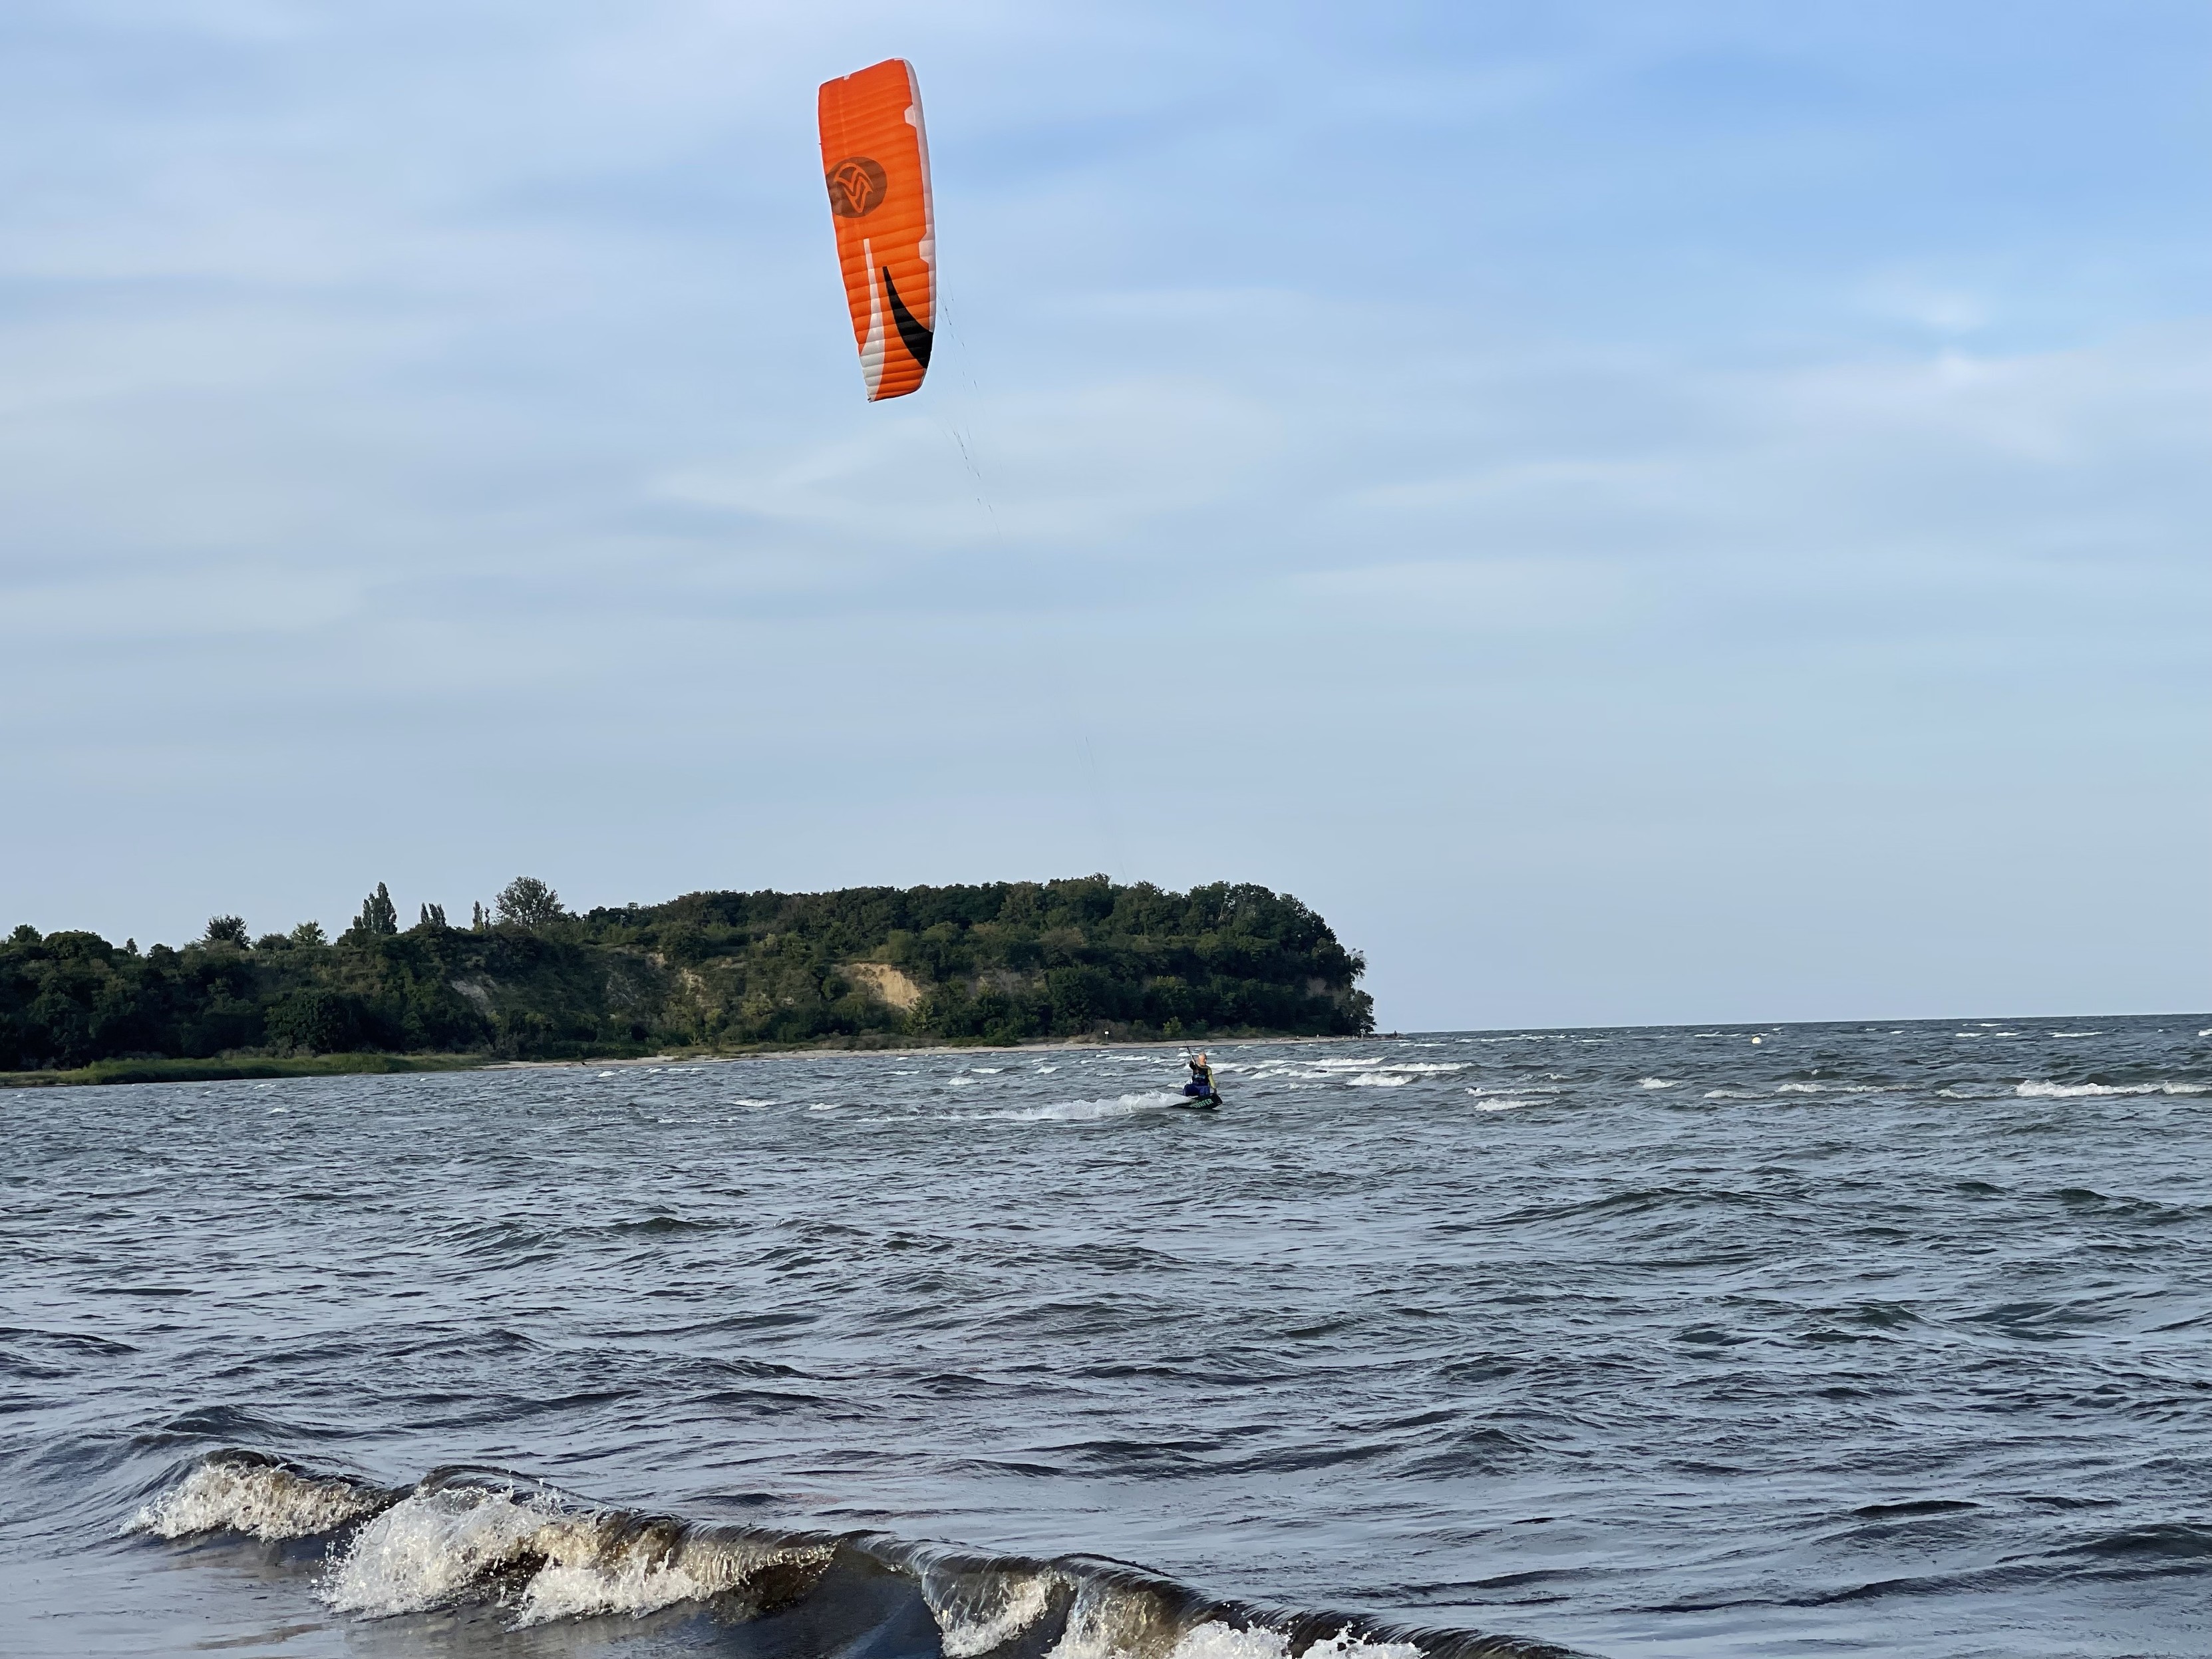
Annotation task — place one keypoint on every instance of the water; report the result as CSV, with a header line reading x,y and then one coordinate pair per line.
x,y
1665,1342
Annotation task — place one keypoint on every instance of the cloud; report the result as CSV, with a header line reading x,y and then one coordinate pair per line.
x,y
1556,462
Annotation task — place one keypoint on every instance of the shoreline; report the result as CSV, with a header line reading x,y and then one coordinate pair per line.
x,y
1060,1048
243,1069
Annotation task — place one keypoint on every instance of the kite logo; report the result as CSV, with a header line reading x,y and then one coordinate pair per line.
x,y
857,187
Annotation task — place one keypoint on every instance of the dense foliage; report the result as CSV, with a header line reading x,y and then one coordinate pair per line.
x,y
1002,962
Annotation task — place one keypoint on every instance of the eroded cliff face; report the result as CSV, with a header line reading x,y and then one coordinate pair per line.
x,y
887,984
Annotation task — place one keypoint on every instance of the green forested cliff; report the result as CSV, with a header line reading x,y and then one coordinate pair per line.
x,y
1001,962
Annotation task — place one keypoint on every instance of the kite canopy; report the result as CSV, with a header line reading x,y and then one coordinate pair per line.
x,y
875,160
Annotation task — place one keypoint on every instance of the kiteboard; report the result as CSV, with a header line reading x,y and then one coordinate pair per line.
x,y
1196,1103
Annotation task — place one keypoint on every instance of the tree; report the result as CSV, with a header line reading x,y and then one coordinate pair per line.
x,y
433,916
309,934
314,1022
378,913
528,902
227,930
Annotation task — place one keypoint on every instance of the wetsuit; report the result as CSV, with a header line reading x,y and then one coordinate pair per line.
x,y
1200,1086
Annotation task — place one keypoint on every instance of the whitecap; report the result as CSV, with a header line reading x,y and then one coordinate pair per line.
x,y
1216,1640
1658,1083
262,1499
1377,1079
436,1548
1071,1111
1800,1088
2038,1090
975,1619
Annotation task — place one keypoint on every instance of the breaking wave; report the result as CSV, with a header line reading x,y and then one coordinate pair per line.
x,y
260,1496
2038,1089
1073,1111
483,1537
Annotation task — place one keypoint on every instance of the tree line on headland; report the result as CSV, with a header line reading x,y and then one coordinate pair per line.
x,y
1005,962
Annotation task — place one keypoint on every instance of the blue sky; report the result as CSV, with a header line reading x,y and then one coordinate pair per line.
x,y
1670,512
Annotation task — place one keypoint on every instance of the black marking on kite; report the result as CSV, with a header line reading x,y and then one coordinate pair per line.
x,y
918,339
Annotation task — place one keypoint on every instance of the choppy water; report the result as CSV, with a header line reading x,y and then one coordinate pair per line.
x,y
1850,1341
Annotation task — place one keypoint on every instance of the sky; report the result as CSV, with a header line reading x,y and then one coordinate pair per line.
x,y
1638,514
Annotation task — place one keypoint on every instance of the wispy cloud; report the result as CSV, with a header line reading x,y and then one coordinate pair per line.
x,y
1675,511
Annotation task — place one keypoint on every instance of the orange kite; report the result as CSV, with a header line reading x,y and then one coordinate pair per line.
x,y
875,160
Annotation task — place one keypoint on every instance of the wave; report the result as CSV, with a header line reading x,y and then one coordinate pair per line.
x,y
2040,1090
465,1536
263,1497
1073,1111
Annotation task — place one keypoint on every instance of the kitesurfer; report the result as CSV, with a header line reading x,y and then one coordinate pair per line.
x,y
1200,1087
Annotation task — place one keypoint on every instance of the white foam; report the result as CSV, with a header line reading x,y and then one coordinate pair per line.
x,y
753,1103
1800,1088
1215,1640
1375,1080
586,1573
431,1549
969,1629
1344,1645
1657,1083
1423,1067
261,1500
1498,1102
2042,1090
1073,1111
430,1546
